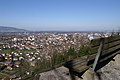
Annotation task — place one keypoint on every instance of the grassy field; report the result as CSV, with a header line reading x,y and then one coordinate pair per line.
x,y
16,50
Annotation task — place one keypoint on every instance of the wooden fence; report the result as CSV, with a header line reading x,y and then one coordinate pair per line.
x,y
102,51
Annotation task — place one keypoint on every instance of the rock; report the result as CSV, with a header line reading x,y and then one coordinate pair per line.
x,y
112,70
60,73
88,75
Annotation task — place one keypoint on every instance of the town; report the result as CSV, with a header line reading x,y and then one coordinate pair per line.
x,y
22,55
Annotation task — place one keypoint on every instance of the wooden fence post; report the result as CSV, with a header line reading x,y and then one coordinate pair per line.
x,y
98,54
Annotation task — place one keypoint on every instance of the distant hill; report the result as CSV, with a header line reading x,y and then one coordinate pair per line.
x,y
11,29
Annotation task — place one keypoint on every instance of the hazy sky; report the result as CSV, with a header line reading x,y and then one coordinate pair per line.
x,y
67,15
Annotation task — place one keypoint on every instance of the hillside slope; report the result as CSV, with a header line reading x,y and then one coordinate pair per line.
x,y
11,29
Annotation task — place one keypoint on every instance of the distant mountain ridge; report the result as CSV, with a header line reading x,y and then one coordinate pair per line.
x,y
11,29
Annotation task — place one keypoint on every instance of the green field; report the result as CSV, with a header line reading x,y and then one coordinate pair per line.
x,y
16,50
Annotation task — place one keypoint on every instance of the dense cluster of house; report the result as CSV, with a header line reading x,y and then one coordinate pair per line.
x,y
32,47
